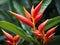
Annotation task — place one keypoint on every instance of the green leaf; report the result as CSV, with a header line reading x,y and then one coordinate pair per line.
x,y
13,28
45,4
52,22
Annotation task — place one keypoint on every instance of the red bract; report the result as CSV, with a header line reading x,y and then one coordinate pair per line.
x,y
49,38
38,34
32,11
27,14
37,8
23,19
38,17
10,39
49,32
46,38
16,38
8,36
31,19
42,26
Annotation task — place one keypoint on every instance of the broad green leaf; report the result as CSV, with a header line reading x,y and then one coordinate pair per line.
x,y
13,28
52,22
45,4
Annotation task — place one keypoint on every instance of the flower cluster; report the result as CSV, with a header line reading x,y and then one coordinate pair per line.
x,y
32,19
10,39
46,38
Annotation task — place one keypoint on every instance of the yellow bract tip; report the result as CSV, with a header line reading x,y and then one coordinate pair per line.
x,y
56,26
24,8
3,31
11,12
46,20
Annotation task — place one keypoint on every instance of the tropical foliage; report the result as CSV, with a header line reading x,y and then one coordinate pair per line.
x,y
29,22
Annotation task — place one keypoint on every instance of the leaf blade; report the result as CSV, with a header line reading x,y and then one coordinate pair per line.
x,y
17,30
52,22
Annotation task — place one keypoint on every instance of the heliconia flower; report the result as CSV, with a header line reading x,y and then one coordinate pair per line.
x,y
11,40
45,37
31,18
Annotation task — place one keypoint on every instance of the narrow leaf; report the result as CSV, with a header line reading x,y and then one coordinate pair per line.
x,y
44,5
52,22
